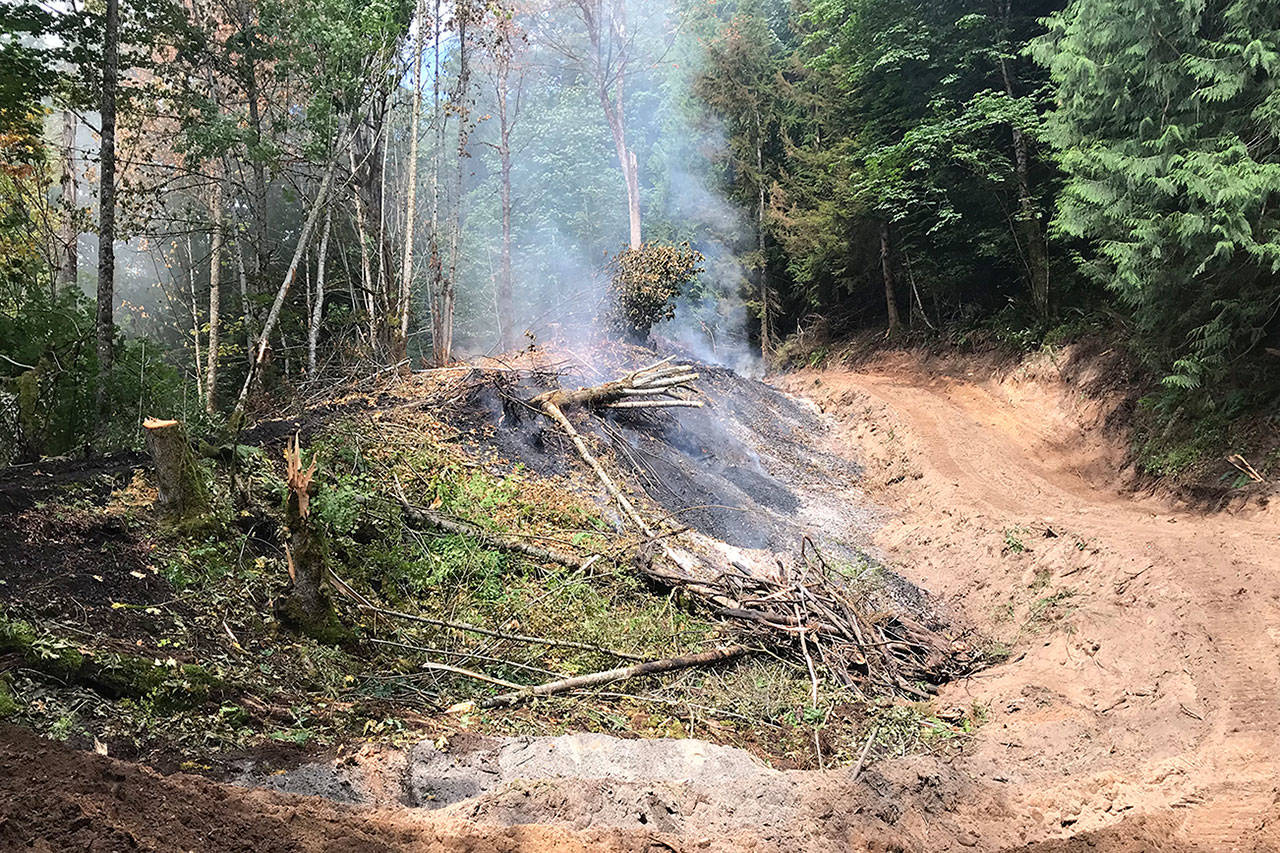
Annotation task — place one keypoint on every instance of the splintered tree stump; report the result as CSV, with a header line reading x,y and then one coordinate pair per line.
x,y
307,608
182,489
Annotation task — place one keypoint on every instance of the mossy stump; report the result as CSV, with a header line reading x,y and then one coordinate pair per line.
x,y
182,490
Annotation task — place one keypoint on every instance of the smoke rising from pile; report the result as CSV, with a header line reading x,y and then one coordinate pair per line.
x,y
568,193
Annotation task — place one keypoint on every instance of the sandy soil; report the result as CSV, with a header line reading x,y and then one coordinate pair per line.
x,y
1144,673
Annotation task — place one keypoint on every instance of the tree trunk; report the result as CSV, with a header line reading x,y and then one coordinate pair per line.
x,y
308,607
1037,257
444,349
506,307
253,95
215,299
606,74
317,302
245,306
68,254
181,487
273,316
1037,249
886,270
385,297
435,269
366,268
195,318
626,160
766,297
105,320
411,194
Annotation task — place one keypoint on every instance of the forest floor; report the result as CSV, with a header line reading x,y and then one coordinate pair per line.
x,y
1133,711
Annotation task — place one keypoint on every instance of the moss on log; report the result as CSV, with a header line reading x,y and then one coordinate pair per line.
x,y
112,674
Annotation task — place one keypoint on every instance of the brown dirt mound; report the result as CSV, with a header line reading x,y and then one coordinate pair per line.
x,y
56,799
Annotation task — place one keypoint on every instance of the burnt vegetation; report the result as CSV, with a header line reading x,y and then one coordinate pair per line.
x,y
393,370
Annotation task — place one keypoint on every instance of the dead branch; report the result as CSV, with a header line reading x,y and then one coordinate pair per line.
x,y
552,410
425,518
409,647
652,667
659,381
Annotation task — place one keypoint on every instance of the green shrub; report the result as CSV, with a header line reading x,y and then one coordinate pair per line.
x,y
644,282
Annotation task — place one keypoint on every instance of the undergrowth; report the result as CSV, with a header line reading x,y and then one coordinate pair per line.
x,y
213,615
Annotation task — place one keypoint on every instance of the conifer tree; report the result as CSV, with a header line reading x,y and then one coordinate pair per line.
x,y
1169,130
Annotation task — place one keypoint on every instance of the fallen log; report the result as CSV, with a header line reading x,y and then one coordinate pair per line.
x,y
622,673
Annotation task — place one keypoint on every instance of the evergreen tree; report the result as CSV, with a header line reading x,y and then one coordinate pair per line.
x,y
1168,126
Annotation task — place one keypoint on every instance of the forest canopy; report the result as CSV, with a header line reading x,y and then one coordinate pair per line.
x,y
206,206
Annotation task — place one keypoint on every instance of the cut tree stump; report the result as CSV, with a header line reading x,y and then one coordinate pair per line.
x,y
182,489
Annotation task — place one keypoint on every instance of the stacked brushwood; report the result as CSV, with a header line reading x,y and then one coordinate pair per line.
x,y
817,612
807,608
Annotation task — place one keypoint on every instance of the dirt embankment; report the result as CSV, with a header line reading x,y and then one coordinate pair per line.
x,y
1144,637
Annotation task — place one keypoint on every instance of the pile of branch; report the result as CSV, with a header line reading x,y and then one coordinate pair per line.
x,y
652,387
809,608
815,611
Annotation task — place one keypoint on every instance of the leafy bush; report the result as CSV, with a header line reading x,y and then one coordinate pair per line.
x,y
644,281
49,376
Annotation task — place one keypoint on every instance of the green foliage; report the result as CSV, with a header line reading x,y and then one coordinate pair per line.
x,y
1013,540
8,705
914,115
1169,128
644,283
49,382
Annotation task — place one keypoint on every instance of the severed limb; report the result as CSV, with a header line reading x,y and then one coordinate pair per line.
x,y
552,410
657,383
651,667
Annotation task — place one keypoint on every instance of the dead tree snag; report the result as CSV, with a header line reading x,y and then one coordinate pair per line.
x,y
182,490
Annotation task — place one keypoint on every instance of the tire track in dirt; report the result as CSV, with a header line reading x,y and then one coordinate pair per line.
x,y
1156,693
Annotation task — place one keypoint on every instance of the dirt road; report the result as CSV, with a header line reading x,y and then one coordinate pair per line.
x,y
1144,677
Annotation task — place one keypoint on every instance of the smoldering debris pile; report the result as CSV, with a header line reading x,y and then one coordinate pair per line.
x,y
650,434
